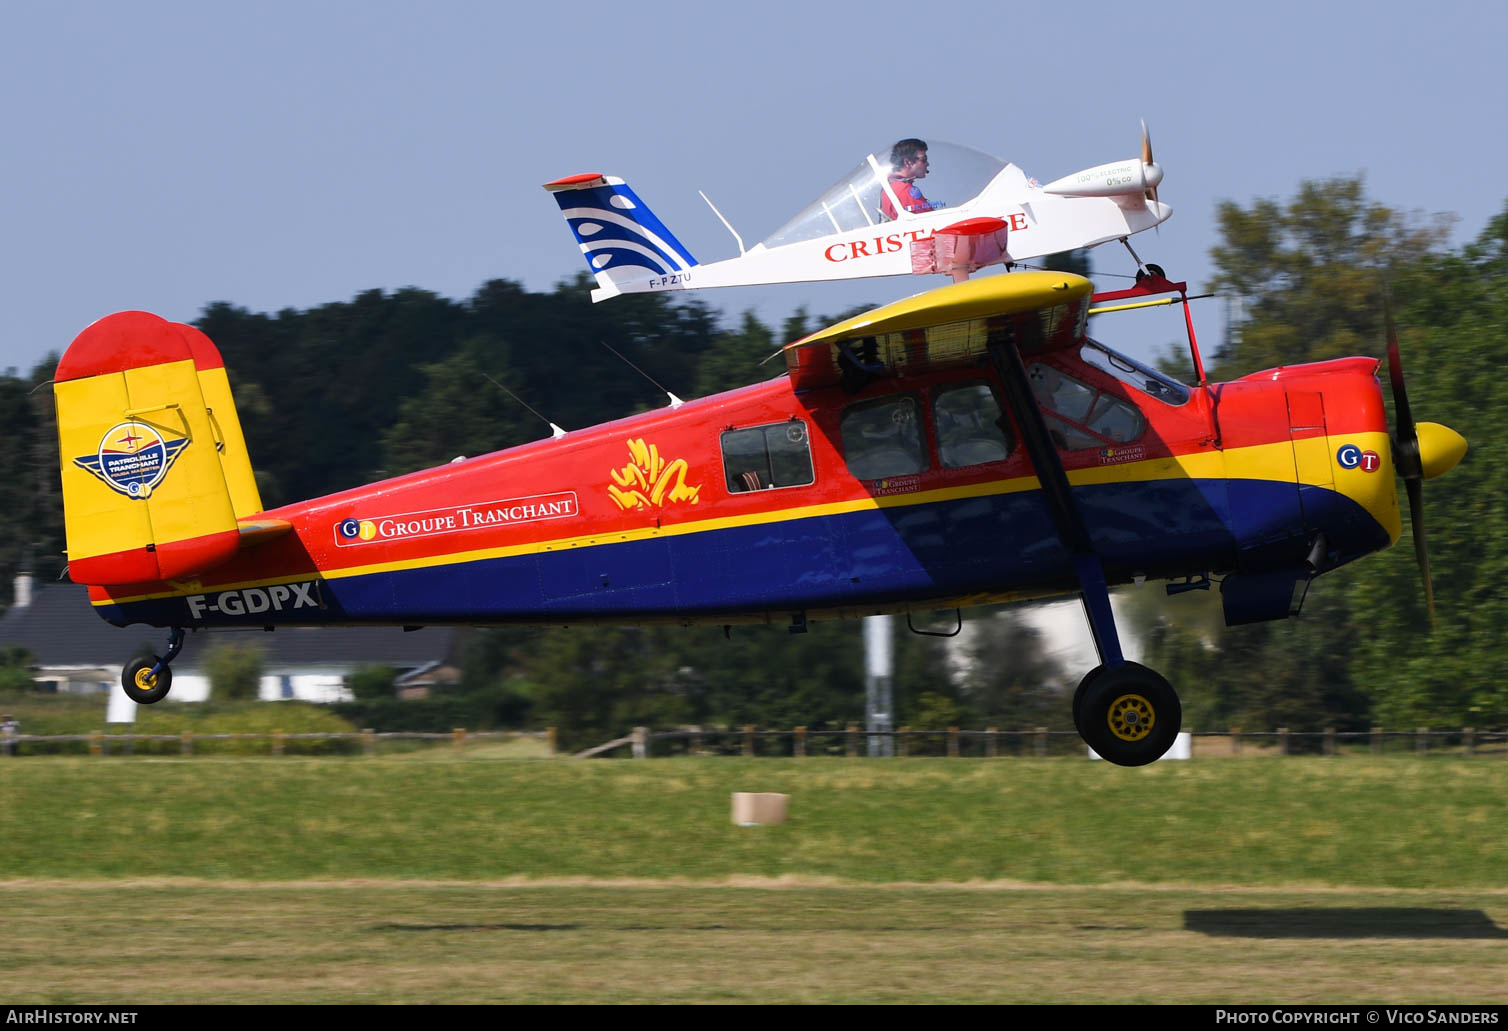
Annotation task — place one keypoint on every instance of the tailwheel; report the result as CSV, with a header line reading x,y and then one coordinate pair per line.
x,y
141,685
1128,714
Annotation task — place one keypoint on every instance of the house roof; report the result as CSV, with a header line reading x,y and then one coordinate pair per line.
x,y
60,628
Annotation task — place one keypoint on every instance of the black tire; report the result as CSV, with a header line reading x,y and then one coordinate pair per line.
x,y
142,688
1157,271
1130,715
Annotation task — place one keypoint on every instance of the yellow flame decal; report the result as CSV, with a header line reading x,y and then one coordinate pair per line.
x,y
649,480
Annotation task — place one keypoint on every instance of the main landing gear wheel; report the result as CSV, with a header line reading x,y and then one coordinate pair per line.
x,y
1128,714
141,686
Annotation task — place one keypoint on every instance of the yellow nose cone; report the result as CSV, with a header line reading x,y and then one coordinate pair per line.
x,y
1440,448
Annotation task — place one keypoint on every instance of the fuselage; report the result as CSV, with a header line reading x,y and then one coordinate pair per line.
x,y
768,503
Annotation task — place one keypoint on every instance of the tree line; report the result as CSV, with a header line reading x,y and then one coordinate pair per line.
x,y
389,382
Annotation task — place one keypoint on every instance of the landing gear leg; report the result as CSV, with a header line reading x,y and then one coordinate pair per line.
x,y
1126,712
147,678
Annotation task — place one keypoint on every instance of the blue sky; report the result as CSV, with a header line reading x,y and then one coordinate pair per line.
x,y
166,155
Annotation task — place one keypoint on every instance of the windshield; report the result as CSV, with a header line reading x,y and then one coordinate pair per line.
x,y
954,174
1133,373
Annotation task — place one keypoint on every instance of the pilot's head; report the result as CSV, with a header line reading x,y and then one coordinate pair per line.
x,y
908,158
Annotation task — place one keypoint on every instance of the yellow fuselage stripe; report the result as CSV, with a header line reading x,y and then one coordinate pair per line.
x,y
1270,462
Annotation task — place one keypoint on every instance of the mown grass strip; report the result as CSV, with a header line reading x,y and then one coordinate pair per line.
x,y
391,942
1398,822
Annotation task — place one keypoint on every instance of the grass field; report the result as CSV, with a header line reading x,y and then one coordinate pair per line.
x,y
426,878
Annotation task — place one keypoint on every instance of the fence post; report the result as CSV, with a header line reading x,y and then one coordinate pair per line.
x,y
749,740
1421,740
640,743
277,742
992,743
96,743
1041,742
458,738
694,742
799,748
901,737
851,740
369,741
552,739
1282,740
1469,740
186,743
952,742
1235,741
1329,740
1375,740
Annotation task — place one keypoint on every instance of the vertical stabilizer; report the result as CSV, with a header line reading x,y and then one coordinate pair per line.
x,y
149,450
625,245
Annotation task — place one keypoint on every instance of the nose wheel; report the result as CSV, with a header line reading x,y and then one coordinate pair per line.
x,y
1128,714
147,678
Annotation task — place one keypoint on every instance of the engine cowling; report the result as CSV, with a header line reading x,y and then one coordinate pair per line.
x,y
1114,179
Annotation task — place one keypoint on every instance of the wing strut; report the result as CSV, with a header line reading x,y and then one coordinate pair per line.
x,y
1005,342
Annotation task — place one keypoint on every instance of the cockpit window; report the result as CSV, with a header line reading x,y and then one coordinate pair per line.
x,y
955,174
761,457
1134,374
1079,415
967,419
883,438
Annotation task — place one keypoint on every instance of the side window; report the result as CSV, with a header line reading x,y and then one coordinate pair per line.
x,y
967,419
1079,415
758,457
884,438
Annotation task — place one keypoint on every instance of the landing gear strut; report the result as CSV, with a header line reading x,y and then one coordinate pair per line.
x,y
1124,711
147,678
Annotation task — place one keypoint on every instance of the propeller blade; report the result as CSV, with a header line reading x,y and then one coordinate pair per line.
x,y
1406,455
1421,544
1146,157
1407,436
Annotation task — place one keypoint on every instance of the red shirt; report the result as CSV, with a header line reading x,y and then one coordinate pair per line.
x,y
907,193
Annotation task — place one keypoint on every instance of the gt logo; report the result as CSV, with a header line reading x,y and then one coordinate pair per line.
x,y
1350,457
248,601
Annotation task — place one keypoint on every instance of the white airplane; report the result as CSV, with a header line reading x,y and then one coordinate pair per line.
x,y
875,221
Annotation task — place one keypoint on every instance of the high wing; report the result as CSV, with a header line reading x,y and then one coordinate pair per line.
x,y
1040,311
978,211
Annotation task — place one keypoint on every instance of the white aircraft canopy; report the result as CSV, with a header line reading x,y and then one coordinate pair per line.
x,y
956,174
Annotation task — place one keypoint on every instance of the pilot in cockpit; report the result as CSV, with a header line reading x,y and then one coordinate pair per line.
x,y
908,163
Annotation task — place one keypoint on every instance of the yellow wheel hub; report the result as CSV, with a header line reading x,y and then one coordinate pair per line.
x,y
1131,717
145,680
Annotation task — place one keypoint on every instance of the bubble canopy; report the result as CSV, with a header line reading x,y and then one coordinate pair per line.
x,y
956,174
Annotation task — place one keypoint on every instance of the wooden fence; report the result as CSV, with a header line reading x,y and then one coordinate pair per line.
x,y
854,741
276,743
851,740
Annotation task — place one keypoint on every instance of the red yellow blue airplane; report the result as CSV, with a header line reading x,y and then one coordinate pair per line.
x,y
967,445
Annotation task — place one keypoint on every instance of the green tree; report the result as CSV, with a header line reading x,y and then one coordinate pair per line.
x,y
1310,274
1452,312
734,359
235,671
1010,681
370,682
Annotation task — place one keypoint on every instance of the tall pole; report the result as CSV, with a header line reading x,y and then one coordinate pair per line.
x,y
879,701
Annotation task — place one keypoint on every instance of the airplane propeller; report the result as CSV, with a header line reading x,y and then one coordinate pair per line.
x,y
1147,162
1417,460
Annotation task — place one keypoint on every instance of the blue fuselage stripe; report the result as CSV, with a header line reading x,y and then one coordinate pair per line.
x,y
993,544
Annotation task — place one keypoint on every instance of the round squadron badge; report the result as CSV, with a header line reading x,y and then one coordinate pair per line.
x,y
132,458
